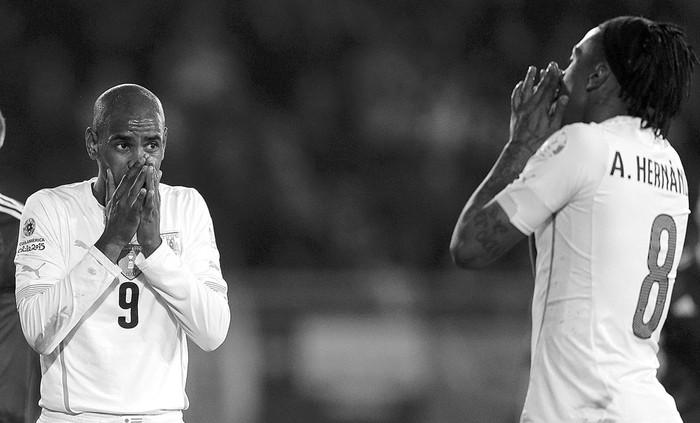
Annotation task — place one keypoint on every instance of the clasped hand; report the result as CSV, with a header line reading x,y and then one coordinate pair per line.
x,y
133,207
536,110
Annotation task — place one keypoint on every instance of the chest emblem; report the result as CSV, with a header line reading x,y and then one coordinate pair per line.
x,y
172,239
127,260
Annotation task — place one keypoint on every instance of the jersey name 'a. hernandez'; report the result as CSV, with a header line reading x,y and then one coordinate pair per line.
x,y
113,338
608,204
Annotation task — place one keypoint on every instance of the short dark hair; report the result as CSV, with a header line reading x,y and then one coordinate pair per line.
x,y
123,95
653,63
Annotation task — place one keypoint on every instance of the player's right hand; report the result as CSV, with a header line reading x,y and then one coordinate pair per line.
x,y
536,109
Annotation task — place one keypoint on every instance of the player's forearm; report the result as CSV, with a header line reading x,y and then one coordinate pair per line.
x,y
198,302
49,307
507,168
483,232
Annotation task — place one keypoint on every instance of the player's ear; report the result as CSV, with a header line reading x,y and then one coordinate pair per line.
x,y
600,75
165,140
91,143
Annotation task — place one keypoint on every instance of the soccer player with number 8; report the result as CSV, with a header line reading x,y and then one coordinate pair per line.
x,y
589,172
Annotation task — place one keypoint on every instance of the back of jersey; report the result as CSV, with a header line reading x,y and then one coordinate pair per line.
x,y
607,262
640,219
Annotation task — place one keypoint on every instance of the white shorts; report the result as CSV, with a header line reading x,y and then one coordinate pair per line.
x,y
48,416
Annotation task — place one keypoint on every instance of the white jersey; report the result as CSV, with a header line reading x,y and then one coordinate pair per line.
x,y
608,204
113,338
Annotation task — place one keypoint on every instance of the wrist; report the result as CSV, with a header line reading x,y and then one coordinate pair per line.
x,y
110,249
149,248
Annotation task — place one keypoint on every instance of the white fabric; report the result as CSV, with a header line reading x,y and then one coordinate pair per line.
x,y
602,200
48,416
78,309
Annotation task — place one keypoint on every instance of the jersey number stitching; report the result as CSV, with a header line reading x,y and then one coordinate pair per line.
x,y
657,275
129,300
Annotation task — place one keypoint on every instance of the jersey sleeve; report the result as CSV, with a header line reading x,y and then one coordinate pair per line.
x,y
53,296
572,159
191,283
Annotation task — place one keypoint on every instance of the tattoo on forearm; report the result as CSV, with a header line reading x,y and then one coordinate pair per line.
x,y
506,170
490,230
486,228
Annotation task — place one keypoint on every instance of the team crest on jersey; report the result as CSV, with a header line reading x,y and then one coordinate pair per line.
x,y
127,261
29,227
172,239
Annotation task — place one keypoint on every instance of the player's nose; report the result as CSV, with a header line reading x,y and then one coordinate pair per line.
x,y
138,155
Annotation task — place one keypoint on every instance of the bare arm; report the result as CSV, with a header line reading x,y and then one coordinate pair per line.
x,y
483,232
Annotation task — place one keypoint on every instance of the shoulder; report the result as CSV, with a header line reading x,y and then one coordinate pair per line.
x,y
577,141
62,192
179,191
60,197
181,195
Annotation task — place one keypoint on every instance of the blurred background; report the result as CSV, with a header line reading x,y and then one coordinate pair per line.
x,y
336,142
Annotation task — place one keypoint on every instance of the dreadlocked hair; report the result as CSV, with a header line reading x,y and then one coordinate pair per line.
x,y
656,78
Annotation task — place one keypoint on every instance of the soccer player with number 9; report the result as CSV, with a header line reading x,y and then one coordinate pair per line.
x,y
588,170
117,273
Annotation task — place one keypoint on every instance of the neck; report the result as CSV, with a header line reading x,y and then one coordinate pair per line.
x,y
606,108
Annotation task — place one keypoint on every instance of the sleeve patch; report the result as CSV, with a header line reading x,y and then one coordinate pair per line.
x,y
29,227
553,146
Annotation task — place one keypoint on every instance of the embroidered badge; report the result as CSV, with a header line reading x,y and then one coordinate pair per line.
x,y
29,227
127,260
553,146
172,239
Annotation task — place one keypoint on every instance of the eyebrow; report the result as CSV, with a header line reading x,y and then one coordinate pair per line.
x,y
119,137
126,136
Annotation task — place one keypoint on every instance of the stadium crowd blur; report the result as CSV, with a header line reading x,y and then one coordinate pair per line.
x,y
324,134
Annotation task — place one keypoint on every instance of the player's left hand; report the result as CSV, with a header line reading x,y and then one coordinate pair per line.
x,y
536,110
148,233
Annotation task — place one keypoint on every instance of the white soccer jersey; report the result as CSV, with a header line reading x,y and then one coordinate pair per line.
x,y
608,204
113,338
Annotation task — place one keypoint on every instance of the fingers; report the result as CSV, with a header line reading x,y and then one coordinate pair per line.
x,y
516,96
127,181
137,191
558,111
150,179
549,83
529,83
137,204
153,176
110,187
524,89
